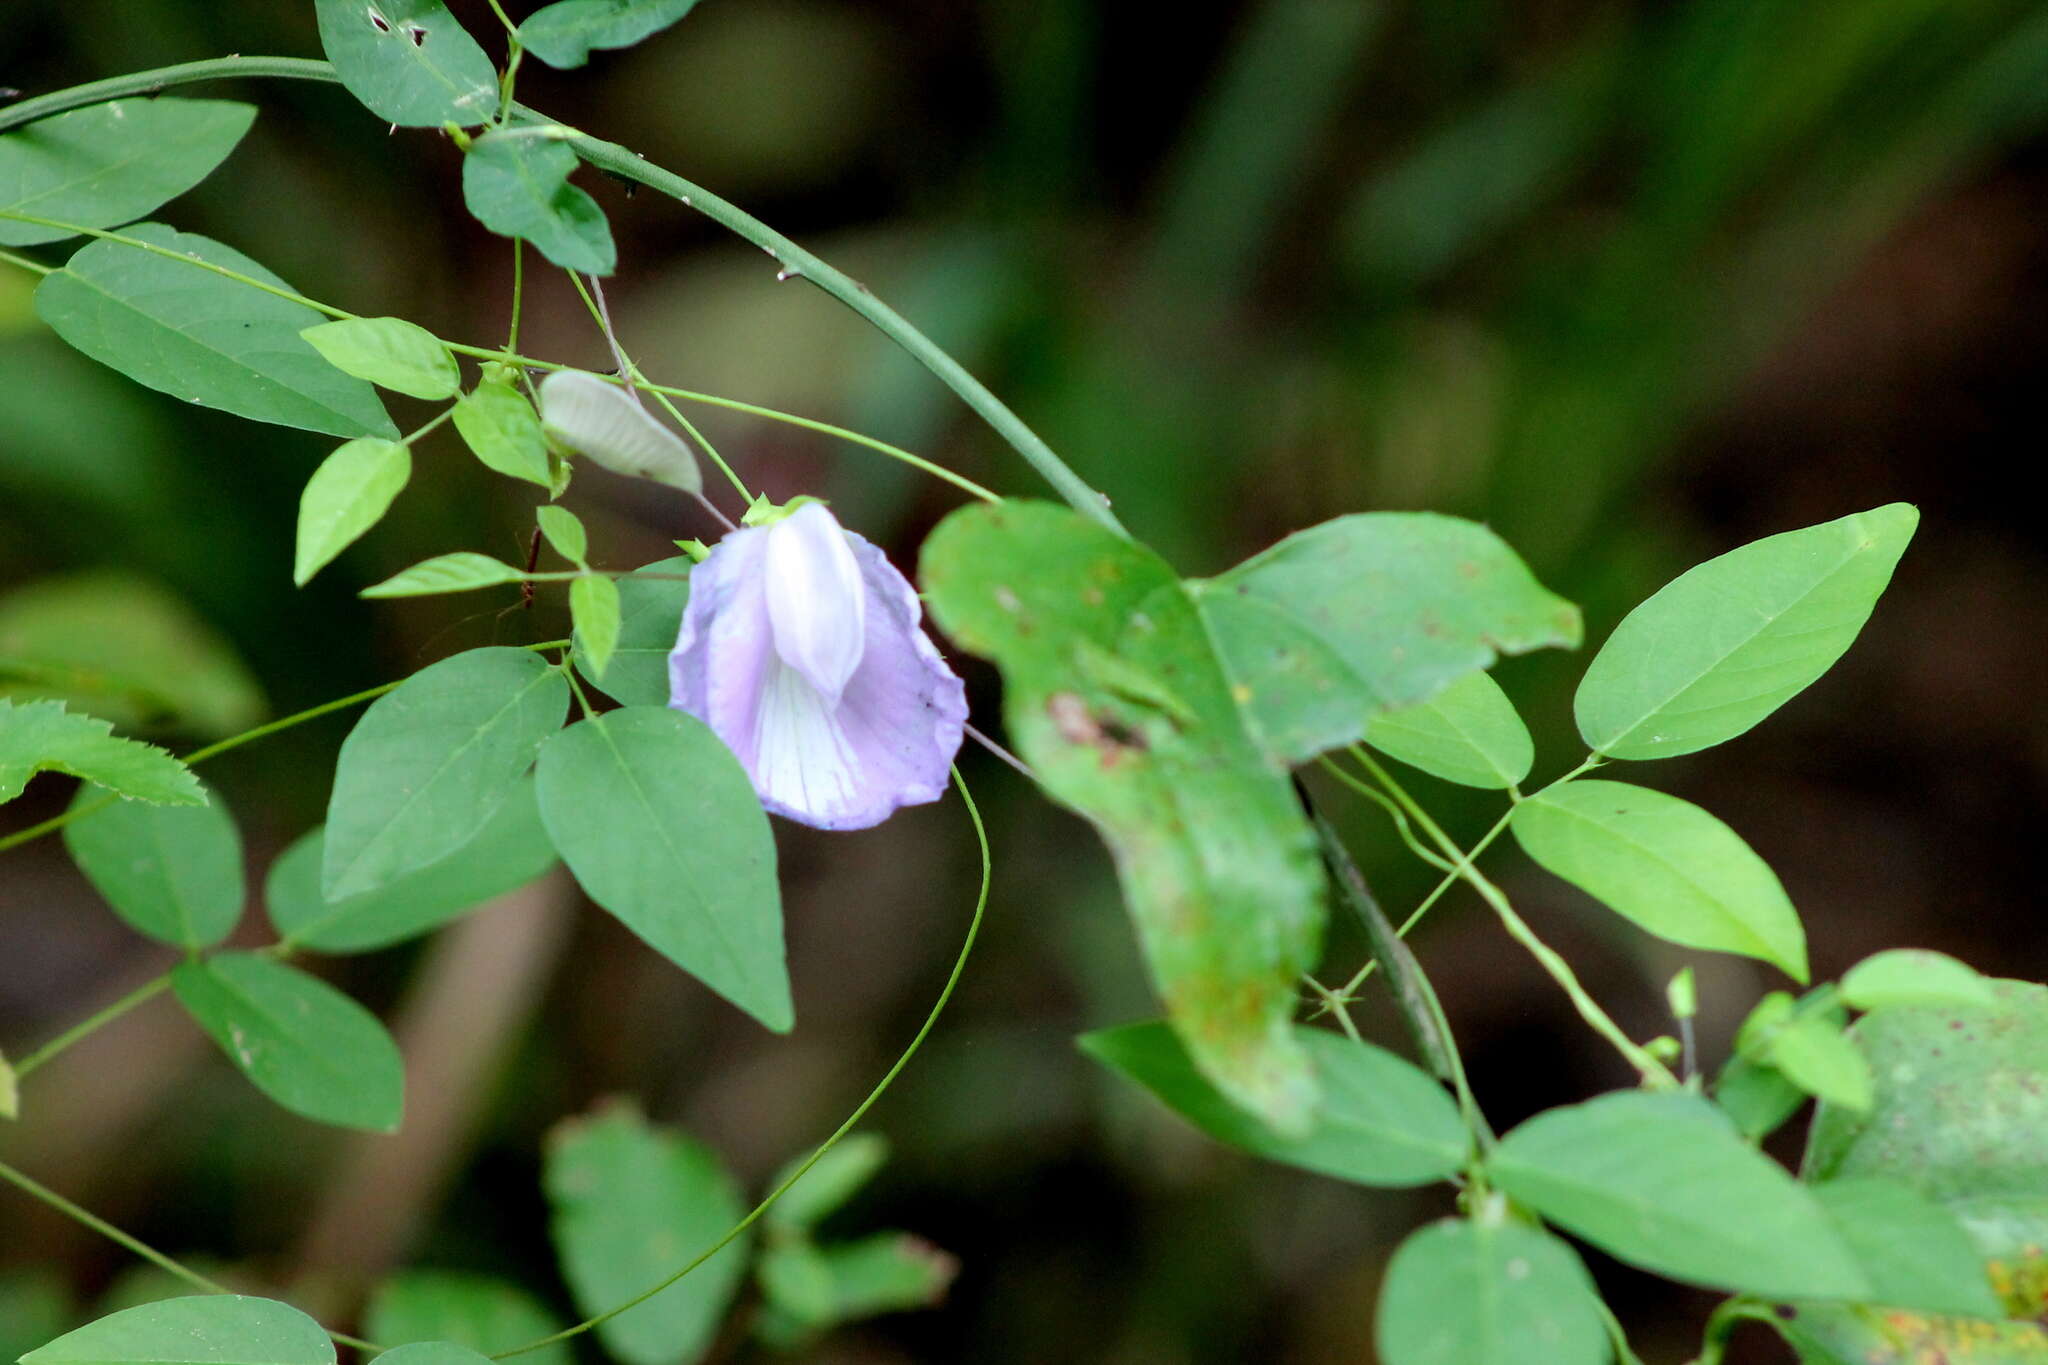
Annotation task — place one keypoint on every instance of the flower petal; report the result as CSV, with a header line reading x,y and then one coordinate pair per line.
x,y
601,422
816,599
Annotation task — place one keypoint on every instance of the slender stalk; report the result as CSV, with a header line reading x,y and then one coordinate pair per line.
x,y
26,264
141,995
426,428
518,293
1653,1072
1392,808
139,1247
930,1021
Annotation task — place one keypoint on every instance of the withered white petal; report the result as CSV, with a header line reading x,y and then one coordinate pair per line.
x,y
601,422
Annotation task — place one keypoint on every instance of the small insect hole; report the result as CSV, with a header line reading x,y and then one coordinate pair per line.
x,y
417,34
378,21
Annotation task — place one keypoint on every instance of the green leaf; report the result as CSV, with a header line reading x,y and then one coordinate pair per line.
x,y
632,1204
390,353
1488,1292
408,61
34,1308
594,607
501,430
510,851
650,617
1217,862
1855,1334
517,185
1662,1181
43,737
808,1289
1915,976
1815,1054
429,764
1961,1115
461,571
431,1353
661,826
563,34
1723,645
1371,612
564,531
10,1108
347,495
1468,734
1666,865
1382,1122
127,650
112,163
1914,1251
298,1040
173,873
216,1329
476,1311
600,421
1756,1096
199,336
836,1178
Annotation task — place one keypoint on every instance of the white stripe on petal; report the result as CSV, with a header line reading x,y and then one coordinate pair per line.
x,y
816,600
802,762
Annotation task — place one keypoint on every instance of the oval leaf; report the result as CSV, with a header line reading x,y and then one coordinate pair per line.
x,y
632,1204
462,571
1665,865
390,353
500,429
563,34
661,826
1469,734
517,185
509,852
43,737
1382,1122
82,166
187,331
298,1040
470,1310
564,531
1663,1182
1368,613
173,873
601,422
594,607
347,495
429,764
1914,1251
650,617
1118,700
408,61
1815,1054
1487,1292
209,1330
1915,976
1723,645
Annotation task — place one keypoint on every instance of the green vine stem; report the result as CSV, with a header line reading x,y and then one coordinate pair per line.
x,y
1653,1072
793,260
141,995
205,1285
860,1111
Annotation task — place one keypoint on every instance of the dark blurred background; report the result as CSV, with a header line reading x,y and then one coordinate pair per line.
x,y
1634,282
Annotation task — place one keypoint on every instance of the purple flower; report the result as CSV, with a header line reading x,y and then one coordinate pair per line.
x,y
801,649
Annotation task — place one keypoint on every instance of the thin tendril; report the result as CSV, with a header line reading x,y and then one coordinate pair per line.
x,y
860,1112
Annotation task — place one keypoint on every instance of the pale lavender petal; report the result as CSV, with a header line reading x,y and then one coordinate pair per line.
x,y
815,598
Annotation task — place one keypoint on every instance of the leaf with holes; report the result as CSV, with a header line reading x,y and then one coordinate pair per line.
x,y
171,324
431,762
632,1205
347,495
173,873
1665,865
1725,644
43,737
563,34
409,61
108,164
517,185
298,1040
661,826
1114,694
390,353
